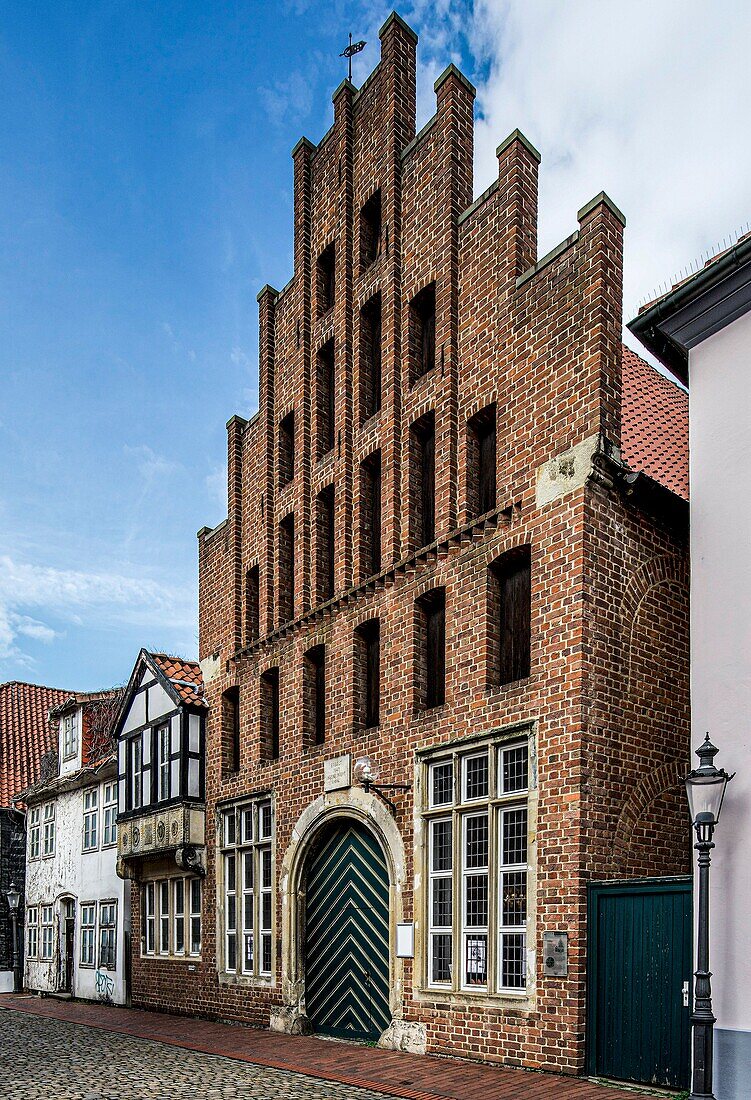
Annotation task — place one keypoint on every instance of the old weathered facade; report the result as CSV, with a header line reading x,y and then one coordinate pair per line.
x,y
437,571
77,910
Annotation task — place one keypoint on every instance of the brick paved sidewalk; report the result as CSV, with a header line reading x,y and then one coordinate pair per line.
x,y
409,1076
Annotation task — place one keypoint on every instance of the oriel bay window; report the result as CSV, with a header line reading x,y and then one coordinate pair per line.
x,y
476,812
162,763
246,831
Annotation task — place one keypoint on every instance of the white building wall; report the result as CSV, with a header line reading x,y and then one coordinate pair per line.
x,y
83,877
720,466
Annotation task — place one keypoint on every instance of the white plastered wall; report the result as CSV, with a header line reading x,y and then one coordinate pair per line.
x,y
82,877
720,464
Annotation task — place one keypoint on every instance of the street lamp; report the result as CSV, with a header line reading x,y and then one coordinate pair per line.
x,y
13,894
705,787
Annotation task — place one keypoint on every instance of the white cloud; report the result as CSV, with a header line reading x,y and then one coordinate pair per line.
x,y
646,101
176,344
287,100
152,467
77,597
32,628
240,358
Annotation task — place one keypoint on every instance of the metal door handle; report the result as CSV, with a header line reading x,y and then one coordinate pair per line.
x,y
685,994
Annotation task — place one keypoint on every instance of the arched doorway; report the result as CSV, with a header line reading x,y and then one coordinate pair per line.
x,y
347,981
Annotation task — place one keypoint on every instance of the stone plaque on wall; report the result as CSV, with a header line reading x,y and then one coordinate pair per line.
x,y
555,953
337,773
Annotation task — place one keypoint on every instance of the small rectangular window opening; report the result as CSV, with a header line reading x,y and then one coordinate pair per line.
x,y
370,231
510,617
370,516
287,569
422,481
481,462
325,400
315,695
269,710
231,729
370,358
252,605
368,653
422,332
325,543
286,449
326,279
430,663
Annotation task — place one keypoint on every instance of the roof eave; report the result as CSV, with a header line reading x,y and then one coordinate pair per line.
x,y
714,297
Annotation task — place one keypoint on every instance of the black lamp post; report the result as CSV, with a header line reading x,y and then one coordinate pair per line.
x,y
705,787
13,894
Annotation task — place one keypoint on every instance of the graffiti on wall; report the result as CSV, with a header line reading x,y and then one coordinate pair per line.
x,y
105,986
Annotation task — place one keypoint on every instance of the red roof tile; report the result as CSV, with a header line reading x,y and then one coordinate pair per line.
x,y
185,677
25,734
654,429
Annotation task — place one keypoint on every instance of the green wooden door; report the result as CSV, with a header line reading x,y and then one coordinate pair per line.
x,y
347,934
640,947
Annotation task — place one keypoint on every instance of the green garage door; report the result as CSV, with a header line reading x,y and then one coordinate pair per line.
x,y
347,934
640,945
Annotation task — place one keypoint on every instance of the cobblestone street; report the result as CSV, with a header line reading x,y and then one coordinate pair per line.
x,y
73,1050
50,1059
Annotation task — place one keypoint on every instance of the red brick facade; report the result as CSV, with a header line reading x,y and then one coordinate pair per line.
x,y
607,693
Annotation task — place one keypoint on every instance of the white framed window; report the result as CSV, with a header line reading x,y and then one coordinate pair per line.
x,y
32,931
70,735
35,829
149,917
171,916
135,767
178,916
109,821
48,843
108,935
246,833
440,900
47,927
477,861
164,919
88,932
194,894
163,758
91,819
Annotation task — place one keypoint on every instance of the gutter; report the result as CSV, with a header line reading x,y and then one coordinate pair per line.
x,y
649,325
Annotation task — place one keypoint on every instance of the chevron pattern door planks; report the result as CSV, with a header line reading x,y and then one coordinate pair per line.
x,y
347,935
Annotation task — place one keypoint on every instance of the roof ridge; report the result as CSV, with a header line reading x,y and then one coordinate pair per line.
x,y
40,687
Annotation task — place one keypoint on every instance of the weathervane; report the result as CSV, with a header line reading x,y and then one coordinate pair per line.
x,y
350,51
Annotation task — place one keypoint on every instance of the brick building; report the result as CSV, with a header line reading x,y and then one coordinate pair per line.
x,y
454,560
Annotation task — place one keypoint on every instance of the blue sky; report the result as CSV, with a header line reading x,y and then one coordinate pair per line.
x,y
145,197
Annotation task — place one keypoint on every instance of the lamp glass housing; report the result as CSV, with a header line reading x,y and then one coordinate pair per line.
x,y
705,794
14,897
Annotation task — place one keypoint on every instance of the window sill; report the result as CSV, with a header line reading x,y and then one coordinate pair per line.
x,y
511,686
366,731
518,1004
425,713
170,958
246,981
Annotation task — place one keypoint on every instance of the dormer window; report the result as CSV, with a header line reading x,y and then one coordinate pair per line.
x,y
70,735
